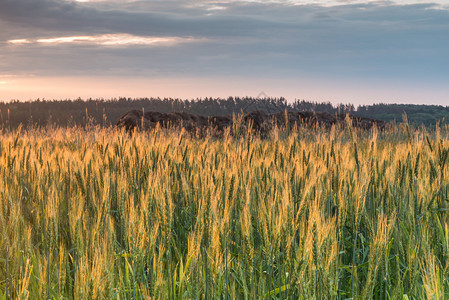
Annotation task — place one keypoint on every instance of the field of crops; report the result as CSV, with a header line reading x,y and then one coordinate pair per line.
x,y
308,214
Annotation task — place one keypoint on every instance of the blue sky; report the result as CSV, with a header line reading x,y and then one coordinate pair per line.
x,y
331,50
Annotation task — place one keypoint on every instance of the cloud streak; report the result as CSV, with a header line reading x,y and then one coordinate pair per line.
x,y
106,40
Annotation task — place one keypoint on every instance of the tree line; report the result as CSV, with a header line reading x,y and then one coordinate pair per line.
x,y
106,112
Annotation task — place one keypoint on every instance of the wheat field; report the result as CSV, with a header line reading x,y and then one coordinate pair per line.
x,y
306,214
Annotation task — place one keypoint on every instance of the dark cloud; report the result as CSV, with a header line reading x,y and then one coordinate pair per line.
x,y
69,17
244,38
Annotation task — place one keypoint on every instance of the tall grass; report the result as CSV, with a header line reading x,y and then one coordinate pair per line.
x,y
307,214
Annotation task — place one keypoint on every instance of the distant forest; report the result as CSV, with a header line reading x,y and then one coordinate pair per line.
x,y
106,112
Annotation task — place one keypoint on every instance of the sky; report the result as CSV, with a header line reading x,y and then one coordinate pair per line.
x,y
341,51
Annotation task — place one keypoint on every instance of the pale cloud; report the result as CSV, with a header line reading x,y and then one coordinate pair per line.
x,y
126,39
216,7
62,40
19,41
107,40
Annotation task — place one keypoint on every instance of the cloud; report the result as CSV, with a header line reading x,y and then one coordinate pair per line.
x,y
19,41
194,18
276,38
170,18
106,40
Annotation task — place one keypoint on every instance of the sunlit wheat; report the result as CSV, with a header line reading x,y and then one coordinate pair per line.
x,y
301,214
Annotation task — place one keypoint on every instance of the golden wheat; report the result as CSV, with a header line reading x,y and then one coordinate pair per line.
x,y
337,214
